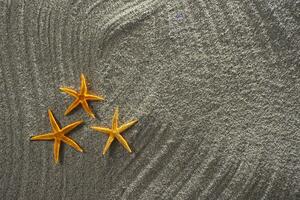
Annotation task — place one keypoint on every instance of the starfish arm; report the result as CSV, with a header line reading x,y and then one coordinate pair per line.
x,y
70,127
72,143
115,119
87,109
53,122
93,97
72,106
83,87
102,129
123,142
56,147
127,126
69,91
108,143
46,136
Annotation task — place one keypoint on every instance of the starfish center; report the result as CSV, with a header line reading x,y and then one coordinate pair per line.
x,y
115,132
59,133
81,97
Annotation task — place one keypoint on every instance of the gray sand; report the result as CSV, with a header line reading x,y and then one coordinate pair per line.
x,y
215,85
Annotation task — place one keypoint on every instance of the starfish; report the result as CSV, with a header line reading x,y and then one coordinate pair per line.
x,y
81,97
115,132
58,135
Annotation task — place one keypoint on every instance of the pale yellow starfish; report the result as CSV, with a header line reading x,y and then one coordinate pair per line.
x,y
81,97
115,132
58,135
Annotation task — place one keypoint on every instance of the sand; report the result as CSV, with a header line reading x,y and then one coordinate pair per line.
x,y
215,86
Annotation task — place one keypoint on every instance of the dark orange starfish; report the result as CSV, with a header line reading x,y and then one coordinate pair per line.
x,y
115,132
58,135
81,97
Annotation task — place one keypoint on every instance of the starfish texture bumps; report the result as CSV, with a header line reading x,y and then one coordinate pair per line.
x,y
81,97
115,132
59,135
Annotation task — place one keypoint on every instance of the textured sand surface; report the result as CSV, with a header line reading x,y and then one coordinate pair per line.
x,y
215,85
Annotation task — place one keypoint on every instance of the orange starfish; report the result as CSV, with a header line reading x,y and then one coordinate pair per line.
x,y
58,135
115,132
81,97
